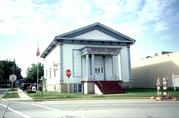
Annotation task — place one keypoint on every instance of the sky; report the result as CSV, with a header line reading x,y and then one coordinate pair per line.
x,y
154,24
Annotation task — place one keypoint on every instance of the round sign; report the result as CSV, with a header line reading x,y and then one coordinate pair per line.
x,y
68,73
12,78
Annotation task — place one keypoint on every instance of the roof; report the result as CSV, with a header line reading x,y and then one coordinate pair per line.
x,y
69,37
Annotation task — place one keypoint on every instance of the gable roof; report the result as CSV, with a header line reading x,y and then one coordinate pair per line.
x,y
69,37
94,26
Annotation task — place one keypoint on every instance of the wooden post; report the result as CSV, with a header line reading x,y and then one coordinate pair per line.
x,y
165,87
158,88
68,85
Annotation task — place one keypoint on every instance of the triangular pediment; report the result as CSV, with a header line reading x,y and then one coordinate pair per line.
x,y
96,31
96,35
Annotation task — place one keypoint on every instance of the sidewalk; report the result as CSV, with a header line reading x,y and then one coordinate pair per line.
x,y
23,95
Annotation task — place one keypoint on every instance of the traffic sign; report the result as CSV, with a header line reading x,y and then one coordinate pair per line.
x,y
68,73
12,78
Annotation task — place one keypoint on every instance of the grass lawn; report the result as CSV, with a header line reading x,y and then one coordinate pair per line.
x,y
11,94
148,92
56,95
131,93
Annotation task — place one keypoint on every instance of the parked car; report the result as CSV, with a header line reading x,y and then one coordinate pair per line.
x,y
31,88
24,86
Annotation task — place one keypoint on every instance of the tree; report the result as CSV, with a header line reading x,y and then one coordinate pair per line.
x,y
32,72
7,68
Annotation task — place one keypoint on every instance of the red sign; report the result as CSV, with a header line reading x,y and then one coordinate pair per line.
x,y
68,73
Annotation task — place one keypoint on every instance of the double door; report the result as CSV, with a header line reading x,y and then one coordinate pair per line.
x,y
99,68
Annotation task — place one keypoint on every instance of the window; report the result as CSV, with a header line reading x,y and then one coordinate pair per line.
x,y
97,70
77,88
54,73
101,69
55,69
50,73
46,73
76,63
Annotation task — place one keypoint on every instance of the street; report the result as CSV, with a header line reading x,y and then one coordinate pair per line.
x,y
90,109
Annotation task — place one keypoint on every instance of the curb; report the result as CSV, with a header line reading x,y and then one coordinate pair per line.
x,y
19,100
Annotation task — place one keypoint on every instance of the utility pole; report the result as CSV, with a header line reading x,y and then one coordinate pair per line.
x,y
38,54
37,76
14,67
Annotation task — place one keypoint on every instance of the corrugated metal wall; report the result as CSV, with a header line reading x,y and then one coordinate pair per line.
x,y
146,73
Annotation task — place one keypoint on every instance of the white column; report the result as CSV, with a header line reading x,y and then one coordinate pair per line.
x,y
61,62
129,61
85,86
92,67
87,66
104,67
120,66
114,58
87,75
113,67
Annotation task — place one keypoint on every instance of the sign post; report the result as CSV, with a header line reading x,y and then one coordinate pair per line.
x,y
165,87
68,74
158,88
12,78
43,80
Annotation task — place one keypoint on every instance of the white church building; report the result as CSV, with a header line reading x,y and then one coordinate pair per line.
x,y
98,57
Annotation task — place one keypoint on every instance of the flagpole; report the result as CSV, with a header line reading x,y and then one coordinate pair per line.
x,y
38,54
37,73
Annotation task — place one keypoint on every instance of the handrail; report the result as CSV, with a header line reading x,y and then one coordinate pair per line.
x,y
100,85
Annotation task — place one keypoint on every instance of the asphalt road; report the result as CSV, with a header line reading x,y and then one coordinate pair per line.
x,y
90,109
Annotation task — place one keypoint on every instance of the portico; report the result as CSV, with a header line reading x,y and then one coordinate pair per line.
x,y
100,63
